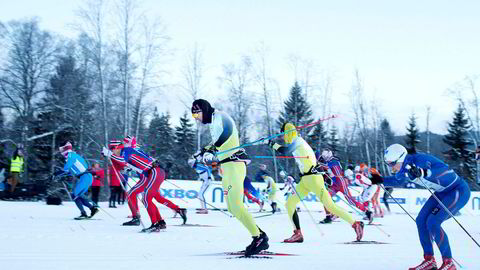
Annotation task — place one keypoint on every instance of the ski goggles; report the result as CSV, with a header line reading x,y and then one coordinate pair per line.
x,y
391,163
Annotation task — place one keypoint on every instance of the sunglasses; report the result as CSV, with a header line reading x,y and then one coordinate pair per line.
x,y
391,163
196,113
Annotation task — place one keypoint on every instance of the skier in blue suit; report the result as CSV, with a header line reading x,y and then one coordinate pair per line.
x,y
77,166
451,189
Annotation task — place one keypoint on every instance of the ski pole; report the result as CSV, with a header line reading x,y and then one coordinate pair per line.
x,y
124,189
395,200
278,157
361,214
216,208
66,189
171,183
308,211
358,212
447,210
386,191
199,199
278,134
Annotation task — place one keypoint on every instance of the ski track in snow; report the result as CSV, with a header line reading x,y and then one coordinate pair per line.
x,y
37,236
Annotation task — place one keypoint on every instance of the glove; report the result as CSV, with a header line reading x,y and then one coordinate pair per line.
x,y
133,168
270,143
197,154
209,158
414,172
376,179
106,153
328,181
58,173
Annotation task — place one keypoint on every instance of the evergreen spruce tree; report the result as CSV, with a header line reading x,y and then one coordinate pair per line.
x,y
460,157
386,138
386,132
161,141
334,141
296,109
413,138
185,147
318,137
65,106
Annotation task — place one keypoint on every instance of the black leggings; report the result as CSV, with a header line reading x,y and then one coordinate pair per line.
x,y
95,193
385,197
114,194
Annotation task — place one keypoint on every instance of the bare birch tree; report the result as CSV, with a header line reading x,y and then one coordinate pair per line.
x,y
30,59
91,15
268,91
127,15
192,86
236,80
153,46
360,111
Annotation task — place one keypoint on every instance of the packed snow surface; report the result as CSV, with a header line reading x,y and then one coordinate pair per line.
x,y
37,236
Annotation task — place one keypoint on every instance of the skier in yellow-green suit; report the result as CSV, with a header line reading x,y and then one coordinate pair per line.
x,y
271,189
310,181
224,137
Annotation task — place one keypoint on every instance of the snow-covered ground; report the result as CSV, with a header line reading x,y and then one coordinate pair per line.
x,y
37,236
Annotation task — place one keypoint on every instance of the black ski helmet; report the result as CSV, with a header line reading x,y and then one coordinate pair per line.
x,y
201,105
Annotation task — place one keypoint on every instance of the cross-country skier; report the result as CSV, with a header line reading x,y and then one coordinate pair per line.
x,y
310,181
270,190
338,184
449,188
369,188
205,175
224,137
77,166
252,193
374,177
289,184
151,176
349,174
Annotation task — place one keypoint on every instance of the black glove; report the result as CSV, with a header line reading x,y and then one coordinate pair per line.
x,y
328,181
271,143
414,172
376,179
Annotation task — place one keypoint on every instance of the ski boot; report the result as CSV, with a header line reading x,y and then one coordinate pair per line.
x,y
94,210
447,264
261,206
183,213
274,207
258,244
82,216
358,227
297,237
134,222
369,216
156,227
328,219
152,228
428,264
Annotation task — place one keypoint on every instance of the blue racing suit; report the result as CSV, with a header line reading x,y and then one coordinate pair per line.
x,y
77,166
447,186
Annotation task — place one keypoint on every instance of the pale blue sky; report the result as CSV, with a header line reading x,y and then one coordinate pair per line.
x,y
407,52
